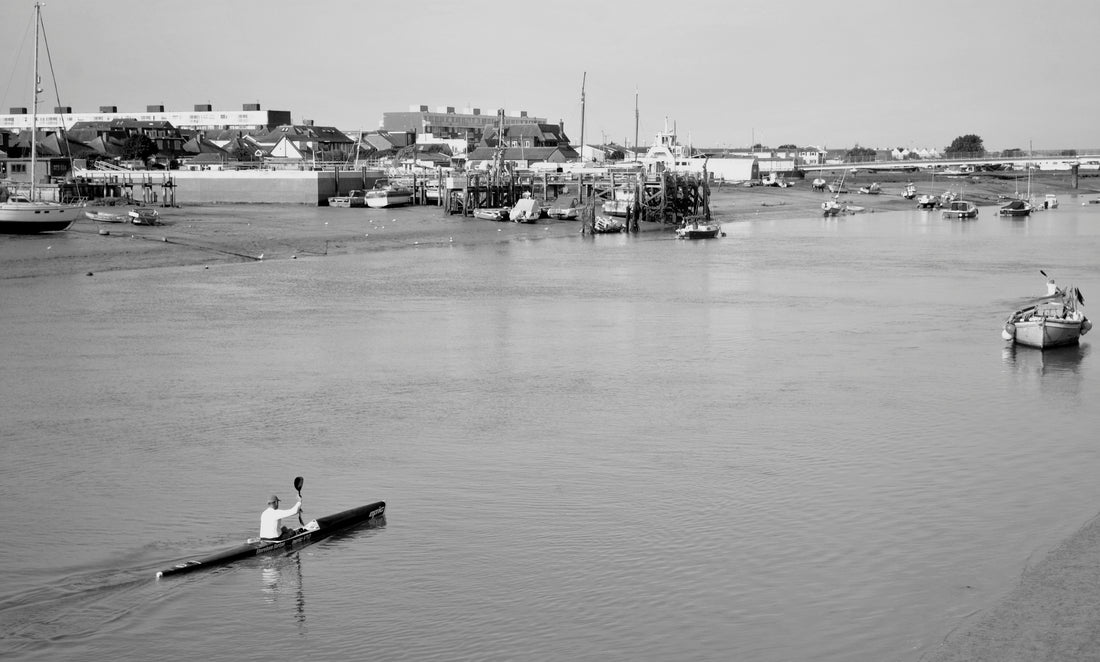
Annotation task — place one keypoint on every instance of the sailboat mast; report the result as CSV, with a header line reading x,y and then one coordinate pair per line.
x,y
34,99
635,124
584,79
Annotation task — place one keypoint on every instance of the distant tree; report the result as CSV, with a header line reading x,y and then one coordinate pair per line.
x,y
138,146
1012,153
857,154
1069,152
787,146
968,145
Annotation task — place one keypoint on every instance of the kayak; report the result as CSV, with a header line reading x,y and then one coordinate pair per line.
x,y
320,528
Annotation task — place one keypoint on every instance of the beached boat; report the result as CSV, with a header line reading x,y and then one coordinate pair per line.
x,y
318,529
388,196
565,212
960,209
607,225
26,214
1051,321
106,217
837,186
1015,208
526,210
873,189
491,213
832,207
144,216
818,184
928,201
910,191
697,230
355,198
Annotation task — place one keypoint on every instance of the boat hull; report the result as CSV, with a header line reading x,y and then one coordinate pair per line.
x,y
700,232
325,527
1045,333
35,218
388,199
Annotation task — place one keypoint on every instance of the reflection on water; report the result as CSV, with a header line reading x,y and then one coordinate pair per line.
x,y
1045,361
281,576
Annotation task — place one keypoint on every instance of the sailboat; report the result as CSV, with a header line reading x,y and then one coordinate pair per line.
x,y
25,214
833,207
1019,206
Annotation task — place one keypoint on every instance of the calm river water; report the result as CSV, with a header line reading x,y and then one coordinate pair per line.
x,y
804,440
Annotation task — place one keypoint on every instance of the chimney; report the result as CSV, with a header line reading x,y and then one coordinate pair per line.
x,y
18,111
63,110
477,111
108,109
203,108
251,106
154,109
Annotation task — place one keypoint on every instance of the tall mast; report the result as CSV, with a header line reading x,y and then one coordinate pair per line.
x,y
34,99
583,80
635,123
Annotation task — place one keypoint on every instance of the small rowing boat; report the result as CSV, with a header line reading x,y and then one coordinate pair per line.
x,y
318,529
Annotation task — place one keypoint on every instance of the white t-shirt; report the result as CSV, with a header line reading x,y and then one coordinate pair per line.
x,y
270,519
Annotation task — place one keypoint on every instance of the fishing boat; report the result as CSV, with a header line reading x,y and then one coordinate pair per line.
x,y
355,198
1051,321
144,216
1050,201
388,196
873,189
26,214
318,529
960,209
910,191
697,230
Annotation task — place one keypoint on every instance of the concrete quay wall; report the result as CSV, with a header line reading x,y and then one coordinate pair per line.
x,y
308,187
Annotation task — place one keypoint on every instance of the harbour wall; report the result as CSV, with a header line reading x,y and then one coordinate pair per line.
x,y
307,187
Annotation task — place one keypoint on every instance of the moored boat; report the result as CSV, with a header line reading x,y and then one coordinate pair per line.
x,y
491,213
388,196
318,529
607,225
570,212
144,216
106,217
355,198
1051,321
1015,208
960,209
697,230
26,214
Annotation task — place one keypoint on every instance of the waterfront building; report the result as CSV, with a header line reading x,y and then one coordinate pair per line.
x,y
203,116
446,124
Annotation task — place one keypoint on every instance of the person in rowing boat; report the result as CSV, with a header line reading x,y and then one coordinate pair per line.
x,y
271,519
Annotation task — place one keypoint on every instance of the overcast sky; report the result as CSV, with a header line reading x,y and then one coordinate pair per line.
x,y
830,73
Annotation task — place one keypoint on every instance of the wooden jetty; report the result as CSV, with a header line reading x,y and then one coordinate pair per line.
x,y
667,198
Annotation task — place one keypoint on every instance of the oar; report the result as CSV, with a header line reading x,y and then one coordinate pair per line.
x,y
298,482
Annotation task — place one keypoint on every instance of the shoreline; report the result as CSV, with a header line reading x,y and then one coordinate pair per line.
x,y
229,233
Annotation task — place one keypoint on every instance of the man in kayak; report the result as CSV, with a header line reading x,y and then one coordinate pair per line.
x,y
271,519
